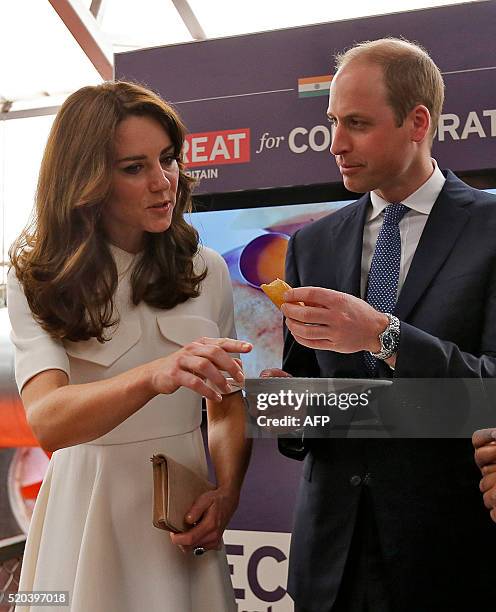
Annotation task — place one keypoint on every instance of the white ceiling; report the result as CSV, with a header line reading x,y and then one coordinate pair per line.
x,y
42,62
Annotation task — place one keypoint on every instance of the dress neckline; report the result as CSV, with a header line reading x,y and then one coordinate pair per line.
x,y
123,259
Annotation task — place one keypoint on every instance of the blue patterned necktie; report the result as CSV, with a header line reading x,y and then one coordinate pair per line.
x,y
384,274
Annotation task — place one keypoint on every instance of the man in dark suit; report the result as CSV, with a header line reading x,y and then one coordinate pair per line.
x,y
400,284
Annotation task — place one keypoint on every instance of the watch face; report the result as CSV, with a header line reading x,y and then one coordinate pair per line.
x,y
387,342
390,340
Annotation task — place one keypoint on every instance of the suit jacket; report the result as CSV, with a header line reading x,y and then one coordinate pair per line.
x,y
437,540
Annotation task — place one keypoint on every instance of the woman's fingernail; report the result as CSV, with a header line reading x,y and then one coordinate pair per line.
x,y
246,345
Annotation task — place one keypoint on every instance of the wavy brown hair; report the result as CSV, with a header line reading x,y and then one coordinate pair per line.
x,y
62,258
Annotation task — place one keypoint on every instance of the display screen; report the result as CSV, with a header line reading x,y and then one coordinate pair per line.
x,y
253,242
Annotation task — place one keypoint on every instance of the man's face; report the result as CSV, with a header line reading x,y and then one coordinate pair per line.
x,y
371,151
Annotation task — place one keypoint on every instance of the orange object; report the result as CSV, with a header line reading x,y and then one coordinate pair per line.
x,y
14,428
30,491
275,290
270,262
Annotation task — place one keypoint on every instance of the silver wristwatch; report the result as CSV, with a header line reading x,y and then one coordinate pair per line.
x,y
389,339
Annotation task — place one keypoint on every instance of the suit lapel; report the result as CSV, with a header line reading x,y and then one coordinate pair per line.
x,y
348,258
444,225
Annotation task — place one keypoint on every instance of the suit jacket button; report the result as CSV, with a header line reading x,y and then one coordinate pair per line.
x,y
355,480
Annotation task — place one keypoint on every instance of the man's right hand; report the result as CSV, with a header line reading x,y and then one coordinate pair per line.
x,y
274,373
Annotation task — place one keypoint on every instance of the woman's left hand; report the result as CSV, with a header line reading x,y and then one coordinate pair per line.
x,y
211,512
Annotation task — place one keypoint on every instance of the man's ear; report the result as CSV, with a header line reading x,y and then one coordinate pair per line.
x,y
420,119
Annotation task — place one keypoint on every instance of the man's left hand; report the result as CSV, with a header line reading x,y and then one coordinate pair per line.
x,y
484,441
332,320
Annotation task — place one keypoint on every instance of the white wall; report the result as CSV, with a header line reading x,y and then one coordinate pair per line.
x,y
22,142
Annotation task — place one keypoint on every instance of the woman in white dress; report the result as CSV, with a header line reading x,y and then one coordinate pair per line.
x,y
121,323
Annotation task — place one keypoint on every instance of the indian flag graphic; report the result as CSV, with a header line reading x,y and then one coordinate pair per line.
x,y
314,86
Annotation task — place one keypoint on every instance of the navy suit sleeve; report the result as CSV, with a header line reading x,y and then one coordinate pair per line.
x,y
298,360
422,355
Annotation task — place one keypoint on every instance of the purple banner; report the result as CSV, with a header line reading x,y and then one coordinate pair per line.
x,y
255,105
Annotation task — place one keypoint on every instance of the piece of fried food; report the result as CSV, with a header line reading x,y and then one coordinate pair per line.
x,y
275,290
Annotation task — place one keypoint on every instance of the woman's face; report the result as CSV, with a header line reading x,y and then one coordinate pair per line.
x,y
144,183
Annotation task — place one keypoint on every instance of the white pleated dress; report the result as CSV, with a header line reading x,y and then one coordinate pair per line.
x,y
91,532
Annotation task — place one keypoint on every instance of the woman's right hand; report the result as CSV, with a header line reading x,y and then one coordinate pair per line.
x,y
197,364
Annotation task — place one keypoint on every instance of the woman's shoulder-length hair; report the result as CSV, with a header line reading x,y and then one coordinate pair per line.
x,y
62,258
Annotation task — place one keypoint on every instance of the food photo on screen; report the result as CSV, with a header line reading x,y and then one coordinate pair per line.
x,y
253,242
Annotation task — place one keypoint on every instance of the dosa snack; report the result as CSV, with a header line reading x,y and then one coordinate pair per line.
x,y
275,290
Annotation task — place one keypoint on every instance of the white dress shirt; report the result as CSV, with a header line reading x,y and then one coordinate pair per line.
x,y
420,203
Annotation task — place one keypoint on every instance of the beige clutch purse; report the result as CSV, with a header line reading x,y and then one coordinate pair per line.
x,y
175,489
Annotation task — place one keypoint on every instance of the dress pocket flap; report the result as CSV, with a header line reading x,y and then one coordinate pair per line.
x,y
124,338
182,329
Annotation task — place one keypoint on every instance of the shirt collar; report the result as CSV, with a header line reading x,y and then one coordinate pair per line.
x,y
422,200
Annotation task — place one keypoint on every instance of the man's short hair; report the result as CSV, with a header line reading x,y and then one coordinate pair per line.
x,y
410,75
